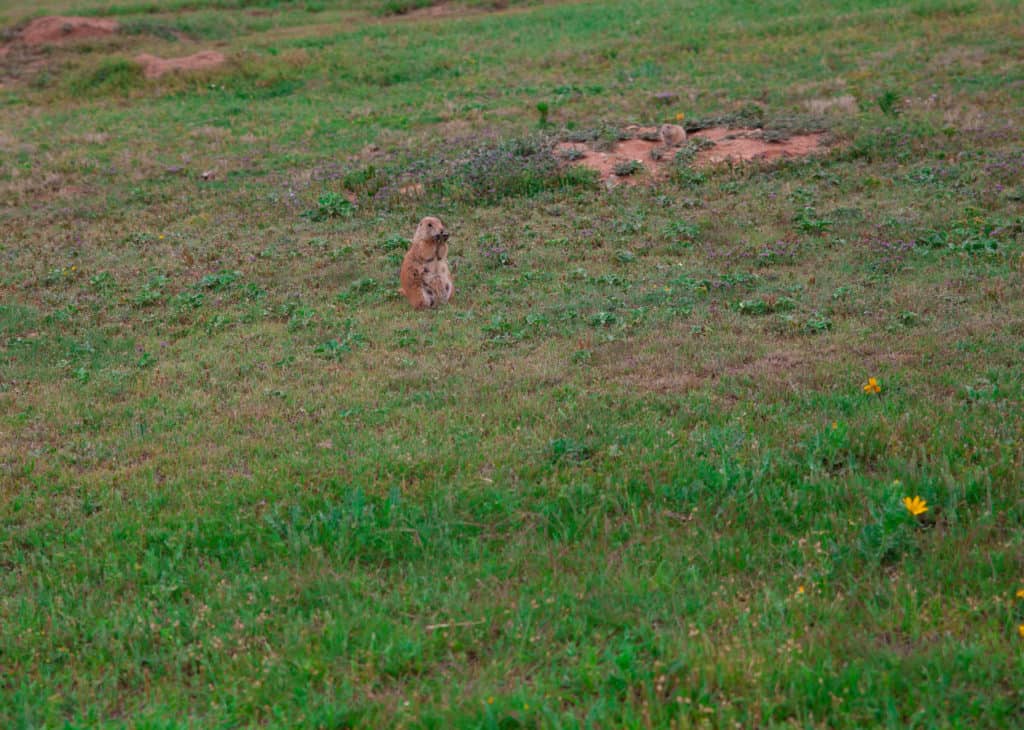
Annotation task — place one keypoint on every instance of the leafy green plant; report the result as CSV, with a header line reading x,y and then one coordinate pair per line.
x,y
888,102
627,168
151,292
188,300
365,181
346,342
111,76
394,243
568,449
219,281
684,175
330,205
300,317
806,220
522,167
103,282
542,111
817,324
682,232
253,292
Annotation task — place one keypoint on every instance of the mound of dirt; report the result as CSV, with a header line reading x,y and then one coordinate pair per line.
x,y
154,67
741,145
59,29
727,145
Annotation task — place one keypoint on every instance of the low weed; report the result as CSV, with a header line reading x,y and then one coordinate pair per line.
x,y
330,205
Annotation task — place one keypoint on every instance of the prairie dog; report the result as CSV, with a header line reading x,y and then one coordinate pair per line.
x,y
426,280
672,135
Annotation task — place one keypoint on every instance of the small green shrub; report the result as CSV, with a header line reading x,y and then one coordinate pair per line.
x,y
219,281
521,167
330,205
111,76
629,167
343,344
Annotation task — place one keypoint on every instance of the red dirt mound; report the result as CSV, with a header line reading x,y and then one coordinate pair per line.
x,y
59,28
154,67
740,145
728,145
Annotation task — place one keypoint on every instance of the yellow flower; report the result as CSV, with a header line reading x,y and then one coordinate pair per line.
x,y
1020,630
490,700
872,386
799,590
915,505
680,117
835,425
1020,593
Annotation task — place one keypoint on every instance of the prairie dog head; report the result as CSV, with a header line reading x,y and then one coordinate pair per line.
x,y
431,230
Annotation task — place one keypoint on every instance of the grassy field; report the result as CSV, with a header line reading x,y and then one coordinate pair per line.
x,y
631,476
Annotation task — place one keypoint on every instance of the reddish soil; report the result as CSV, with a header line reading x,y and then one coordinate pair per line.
x,y
730,145
59,29
154,67
740,145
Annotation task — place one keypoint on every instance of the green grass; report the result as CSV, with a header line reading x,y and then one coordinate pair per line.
x,y
628,478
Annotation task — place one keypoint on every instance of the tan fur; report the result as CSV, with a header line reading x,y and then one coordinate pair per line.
x,y
672,135
426,280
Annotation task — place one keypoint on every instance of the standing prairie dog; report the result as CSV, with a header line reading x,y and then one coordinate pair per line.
x,y
672,135
426,280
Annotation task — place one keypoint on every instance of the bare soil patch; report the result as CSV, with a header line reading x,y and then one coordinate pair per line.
x,y
154,67
726,145
61,29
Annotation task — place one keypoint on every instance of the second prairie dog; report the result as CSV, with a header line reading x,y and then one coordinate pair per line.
x,y
672,135
426,280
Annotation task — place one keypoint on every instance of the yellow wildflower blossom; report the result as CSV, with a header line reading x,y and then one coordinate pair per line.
x,y
915,505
